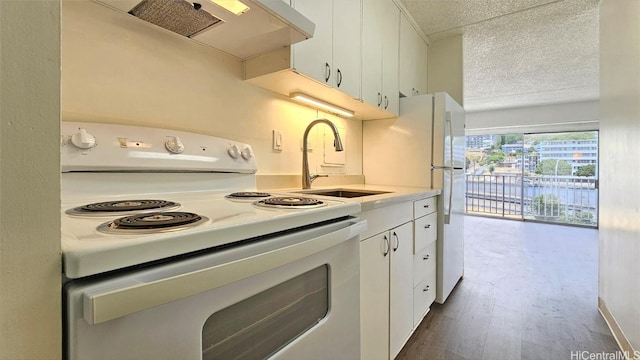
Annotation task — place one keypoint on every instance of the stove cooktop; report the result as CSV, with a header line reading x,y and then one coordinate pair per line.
x,y
95,244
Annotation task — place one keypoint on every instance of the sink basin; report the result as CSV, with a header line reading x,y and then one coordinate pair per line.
x,y
343,193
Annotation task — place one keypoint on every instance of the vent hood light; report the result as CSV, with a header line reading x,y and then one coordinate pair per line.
x,y
319,104
234,6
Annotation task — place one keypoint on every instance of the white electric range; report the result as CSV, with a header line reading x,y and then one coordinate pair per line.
x,y
163,226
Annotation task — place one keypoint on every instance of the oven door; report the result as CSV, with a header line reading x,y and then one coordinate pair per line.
x,y
294,296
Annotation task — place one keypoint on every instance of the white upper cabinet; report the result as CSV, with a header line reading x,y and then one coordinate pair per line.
x,y
312,57
413,60
351,61
372,52
390,49
332,56
347,20
380,37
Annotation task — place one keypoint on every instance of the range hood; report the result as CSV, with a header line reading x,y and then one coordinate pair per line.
x,y
260,26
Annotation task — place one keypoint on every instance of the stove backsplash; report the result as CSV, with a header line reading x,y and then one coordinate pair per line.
x,y
116,69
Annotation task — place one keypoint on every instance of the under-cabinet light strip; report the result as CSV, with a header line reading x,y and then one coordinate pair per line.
x,y
309,100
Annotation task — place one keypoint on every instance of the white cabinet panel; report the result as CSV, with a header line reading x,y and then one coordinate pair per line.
x,y
380,36
332,56
426,231
424,263
424,207
374,297
401,288
313,57
390,49
413,60
347,46
423,296
372,15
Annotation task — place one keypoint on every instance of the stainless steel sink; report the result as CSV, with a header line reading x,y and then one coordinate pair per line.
x,y
343,193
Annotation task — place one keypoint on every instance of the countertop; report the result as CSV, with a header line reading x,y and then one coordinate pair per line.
x,y
393,195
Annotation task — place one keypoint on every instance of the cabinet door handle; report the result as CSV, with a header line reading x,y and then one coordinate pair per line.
x,y
413,91
386,246
339,77
426,288
397,241
379,99
428,226
426,257
386,102
327,72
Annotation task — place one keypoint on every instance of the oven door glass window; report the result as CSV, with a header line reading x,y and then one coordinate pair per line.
x,y
259,326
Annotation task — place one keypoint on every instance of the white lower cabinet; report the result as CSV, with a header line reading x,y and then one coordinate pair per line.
x,y
374,297
401,288
386,292
425,232
424,281
397,275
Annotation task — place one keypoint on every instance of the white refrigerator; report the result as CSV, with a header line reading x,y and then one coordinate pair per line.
x,y
424,147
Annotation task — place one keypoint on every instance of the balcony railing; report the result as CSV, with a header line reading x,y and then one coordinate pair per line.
x,y
563,199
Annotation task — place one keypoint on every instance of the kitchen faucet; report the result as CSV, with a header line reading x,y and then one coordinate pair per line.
x,y
307,178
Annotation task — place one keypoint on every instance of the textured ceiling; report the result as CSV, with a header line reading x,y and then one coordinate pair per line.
x,y
519,52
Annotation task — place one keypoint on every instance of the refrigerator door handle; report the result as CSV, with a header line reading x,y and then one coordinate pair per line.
x,y
449,121
447,216
438,167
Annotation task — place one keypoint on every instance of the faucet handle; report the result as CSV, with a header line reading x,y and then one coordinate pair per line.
x,y
314,176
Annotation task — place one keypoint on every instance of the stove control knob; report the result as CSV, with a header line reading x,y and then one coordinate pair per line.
x,y
233,151
83,140
246,153
174,145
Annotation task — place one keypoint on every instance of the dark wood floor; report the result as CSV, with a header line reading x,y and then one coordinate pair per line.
x,y
529,292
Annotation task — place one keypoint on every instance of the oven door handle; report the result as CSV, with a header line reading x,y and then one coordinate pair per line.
x,y
99,307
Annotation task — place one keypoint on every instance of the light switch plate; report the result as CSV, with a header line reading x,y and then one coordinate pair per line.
x,y
277,140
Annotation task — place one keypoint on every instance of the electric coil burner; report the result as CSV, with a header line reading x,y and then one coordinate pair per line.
x,y
247,195
152,223
289,202
122,207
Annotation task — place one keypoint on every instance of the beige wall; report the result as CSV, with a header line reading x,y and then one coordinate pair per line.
x,y
620,165
30,319
118,69
445,68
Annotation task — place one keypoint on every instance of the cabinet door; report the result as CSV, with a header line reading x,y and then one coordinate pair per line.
x,y
312,57
372,18
347,21
408,58
374,297
423,53
401,287
390,50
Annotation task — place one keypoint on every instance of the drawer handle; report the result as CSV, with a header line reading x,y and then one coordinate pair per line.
x,y
428,226
426,289
426,257
427,206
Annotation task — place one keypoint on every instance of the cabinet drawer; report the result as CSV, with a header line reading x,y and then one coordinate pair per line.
x,y
423,296
424,263
425,231
424,207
